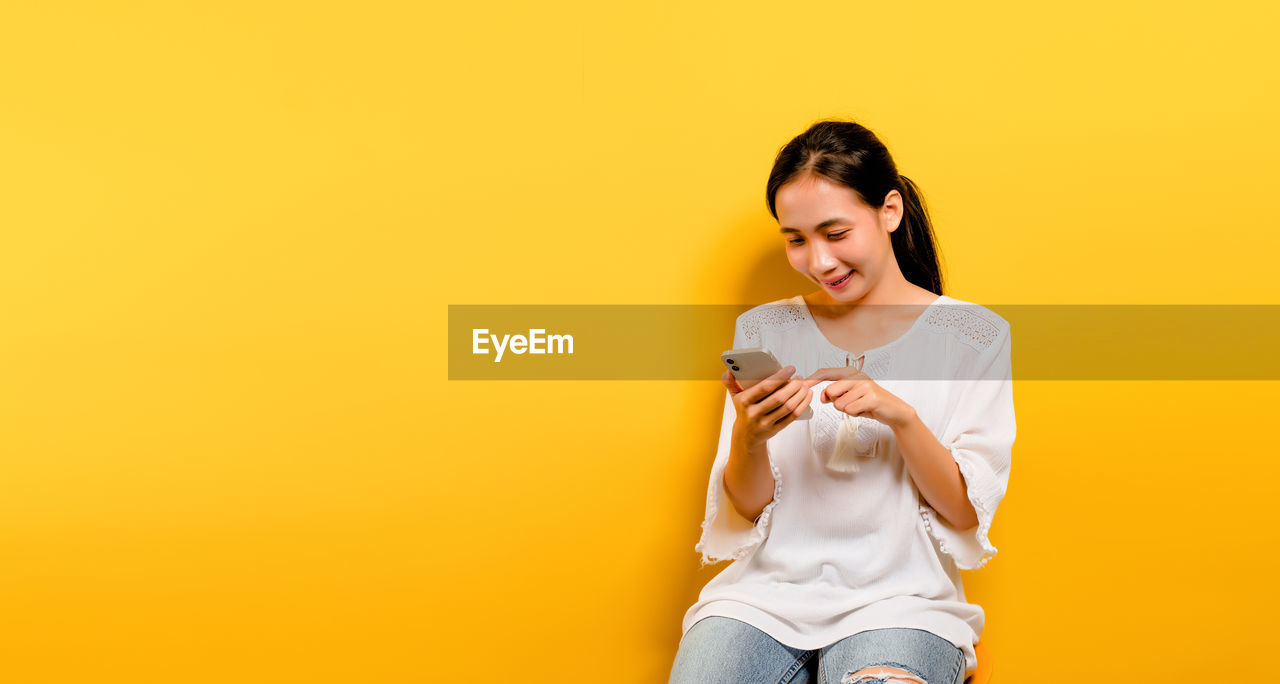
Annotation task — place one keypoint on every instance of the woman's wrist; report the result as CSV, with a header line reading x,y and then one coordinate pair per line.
x,y
749,447
907,418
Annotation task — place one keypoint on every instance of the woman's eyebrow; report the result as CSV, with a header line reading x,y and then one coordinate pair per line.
x,y
825,224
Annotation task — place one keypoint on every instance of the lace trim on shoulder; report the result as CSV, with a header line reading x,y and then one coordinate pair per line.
x,y
974,325
777,315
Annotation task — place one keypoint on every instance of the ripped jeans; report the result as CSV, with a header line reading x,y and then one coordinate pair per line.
x,y
723,650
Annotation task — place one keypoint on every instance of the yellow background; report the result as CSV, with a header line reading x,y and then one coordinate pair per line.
x,y
228,448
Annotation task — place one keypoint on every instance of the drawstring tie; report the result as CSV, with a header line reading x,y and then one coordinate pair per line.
x,y
839,439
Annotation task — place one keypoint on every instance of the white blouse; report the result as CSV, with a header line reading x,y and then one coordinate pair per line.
x,y
848,544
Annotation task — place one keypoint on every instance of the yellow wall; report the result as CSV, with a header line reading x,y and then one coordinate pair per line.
x,y
228,448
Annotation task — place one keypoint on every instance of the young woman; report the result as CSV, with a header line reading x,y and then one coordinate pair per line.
x,y
847,531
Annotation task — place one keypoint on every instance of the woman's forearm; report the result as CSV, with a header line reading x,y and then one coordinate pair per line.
x,y
748,479
935,472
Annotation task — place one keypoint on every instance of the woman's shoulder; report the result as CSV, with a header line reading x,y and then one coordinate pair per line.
x,y
774,316
968,322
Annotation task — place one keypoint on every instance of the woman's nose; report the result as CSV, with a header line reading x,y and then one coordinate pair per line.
x,y
820,259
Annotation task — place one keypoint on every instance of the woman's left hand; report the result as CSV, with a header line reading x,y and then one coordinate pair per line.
x,y
855,393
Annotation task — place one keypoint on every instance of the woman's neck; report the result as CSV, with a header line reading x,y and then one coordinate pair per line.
x,y
904,294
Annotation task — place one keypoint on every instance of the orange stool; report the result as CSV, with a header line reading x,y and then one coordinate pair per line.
x,y
982,675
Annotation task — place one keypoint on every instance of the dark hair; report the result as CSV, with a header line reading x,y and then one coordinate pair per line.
x,y
847,153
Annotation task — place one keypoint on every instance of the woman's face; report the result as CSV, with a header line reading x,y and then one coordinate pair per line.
x,y
830,233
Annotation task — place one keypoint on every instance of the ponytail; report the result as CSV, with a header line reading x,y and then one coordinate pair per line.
x,y
913,242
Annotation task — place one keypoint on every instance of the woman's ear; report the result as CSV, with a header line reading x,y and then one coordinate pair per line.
x,y
893,210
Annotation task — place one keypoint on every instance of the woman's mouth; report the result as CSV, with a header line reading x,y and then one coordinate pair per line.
x,y
839,282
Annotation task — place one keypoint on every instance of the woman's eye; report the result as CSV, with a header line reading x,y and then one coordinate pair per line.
x,y
836,236
795,242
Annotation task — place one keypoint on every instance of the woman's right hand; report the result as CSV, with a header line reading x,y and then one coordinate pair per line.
x,y
767,406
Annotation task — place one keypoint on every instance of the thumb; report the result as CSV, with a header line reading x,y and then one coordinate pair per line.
x,y
730,382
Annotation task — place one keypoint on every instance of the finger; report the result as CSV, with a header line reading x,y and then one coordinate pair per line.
x,y
835,374
854,407
730,382
782,415
780,402
824,374
808,399
782,422
835,390
775,402
854,403
762,389
795,407
856,387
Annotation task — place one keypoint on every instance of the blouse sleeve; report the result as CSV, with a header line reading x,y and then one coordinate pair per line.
x,y
726,534
980,436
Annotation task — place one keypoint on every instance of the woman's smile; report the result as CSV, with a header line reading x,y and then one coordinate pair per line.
x,y
840,282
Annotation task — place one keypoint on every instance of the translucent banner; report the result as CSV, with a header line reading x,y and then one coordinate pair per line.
x,y
684,342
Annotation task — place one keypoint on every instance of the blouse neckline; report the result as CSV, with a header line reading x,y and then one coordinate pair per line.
x,y
808,317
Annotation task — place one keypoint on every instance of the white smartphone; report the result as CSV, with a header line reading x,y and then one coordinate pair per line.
x,y
752,365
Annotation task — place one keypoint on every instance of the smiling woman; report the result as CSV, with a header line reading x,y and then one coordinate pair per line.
x,y
852,226
846,563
